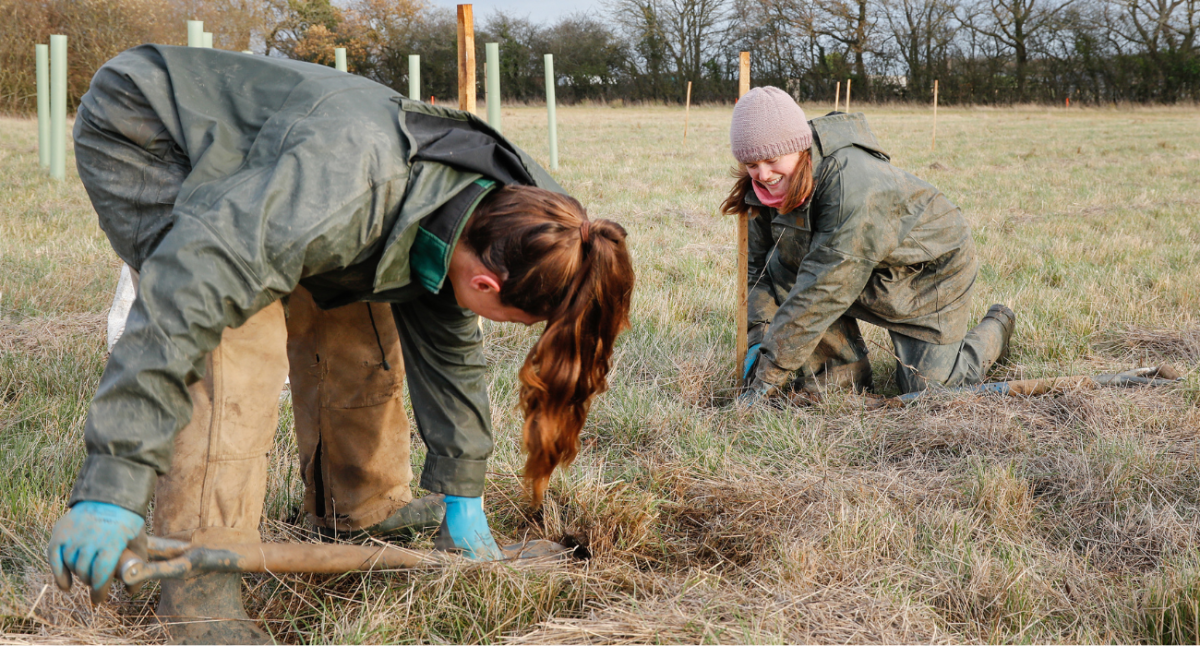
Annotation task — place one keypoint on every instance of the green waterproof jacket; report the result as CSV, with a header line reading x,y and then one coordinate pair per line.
x,y
300,174
874,243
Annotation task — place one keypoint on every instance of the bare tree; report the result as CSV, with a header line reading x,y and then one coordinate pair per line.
x,y
1015,24
923,31
641,21
1164,31
852,24
783,36
693,30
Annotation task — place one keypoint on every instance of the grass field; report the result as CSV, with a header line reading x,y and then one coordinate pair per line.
x,y
1073,518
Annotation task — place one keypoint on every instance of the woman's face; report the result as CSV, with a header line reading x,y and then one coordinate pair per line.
x,y
775,173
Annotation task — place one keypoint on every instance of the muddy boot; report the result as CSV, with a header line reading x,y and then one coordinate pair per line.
x,y
207,610
1007,320
417,517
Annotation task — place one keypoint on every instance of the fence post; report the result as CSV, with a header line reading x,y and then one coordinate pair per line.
x,y
43,104
58,107
207,40
414,77
933,139
466,59
493,85
550,107
195,33
339,58
743,241
687,106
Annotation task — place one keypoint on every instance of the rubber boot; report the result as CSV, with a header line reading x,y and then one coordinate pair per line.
x,y
1007,319
417,517
421,515
207,610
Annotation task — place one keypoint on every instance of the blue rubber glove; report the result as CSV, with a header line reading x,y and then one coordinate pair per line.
x,y
751,358
88,540
468,528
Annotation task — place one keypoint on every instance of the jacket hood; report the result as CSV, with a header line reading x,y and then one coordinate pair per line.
x,y
449,150
840,130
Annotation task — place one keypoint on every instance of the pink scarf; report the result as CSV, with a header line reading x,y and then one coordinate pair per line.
x,y
765,197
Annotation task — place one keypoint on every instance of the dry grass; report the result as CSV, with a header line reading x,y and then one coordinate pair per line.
x,y
1065,519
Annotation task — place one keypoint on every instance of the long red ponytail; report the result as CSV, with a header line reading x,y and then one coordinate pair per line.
x,y
578,274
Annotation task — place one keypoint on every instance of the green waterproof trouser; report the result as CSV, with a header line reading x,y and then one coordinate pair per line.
x,y
966,363
840,359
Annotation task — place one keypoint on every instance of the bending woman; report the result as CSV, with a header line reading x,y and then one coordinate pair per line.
x,y
839,235
285,218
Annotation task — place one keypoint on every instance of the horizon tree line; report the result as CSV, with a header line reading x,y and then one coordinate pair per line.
x,y
980,51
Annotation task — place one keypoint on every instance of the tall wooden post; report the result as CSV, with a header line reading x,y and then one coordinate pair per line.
x,y
551,84
414,77
58,107
837,97
339,59
687,106
195,33
743,241
466,59
933,140
493,84
43,104
848,94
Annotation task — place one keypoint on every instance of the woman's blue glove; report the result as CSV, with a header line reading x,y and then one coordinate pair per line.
x,y
751,359
88,540
468,528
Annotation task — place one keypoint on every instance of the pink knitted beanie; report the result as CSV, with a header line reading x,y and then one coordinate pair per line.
x,y
767,123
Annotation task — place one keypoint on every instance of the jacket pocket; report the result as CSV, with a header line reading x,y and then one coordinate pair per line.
x,y
792,237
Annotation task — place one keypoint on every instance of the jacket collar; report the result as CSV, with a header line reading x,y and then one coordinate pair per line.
x,y
752,199
438,233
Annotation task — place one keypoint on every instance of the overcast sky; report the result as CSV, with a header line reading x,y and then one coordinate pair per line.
x,y
539,11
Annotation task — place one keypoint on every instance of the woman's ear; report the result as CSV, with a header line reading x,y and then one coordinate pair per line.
x,y
485,282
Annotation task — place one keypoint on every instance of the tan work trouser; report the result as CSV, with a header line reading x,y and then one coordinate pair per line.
x,y
351,428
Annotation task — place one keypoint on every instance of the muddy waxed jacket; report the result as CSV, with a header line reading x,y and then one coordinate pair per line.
x,y
299,174
874,242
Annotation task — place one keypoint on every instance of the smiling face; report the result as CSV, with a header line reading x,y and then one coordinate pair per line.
x,y
774,174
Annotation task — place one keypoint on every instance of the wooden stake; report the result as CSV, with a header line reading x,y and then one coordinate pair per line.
x,y
933,141
743,242
837,97
686,107
466,59
848,94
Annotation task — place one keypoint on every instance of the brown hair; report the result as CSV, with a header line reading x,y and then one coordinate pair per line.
x,y
800,188
556,264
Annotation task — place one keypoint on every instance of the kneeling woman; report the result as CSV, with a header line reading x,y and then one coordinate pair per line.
x,y
285,218
839,235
